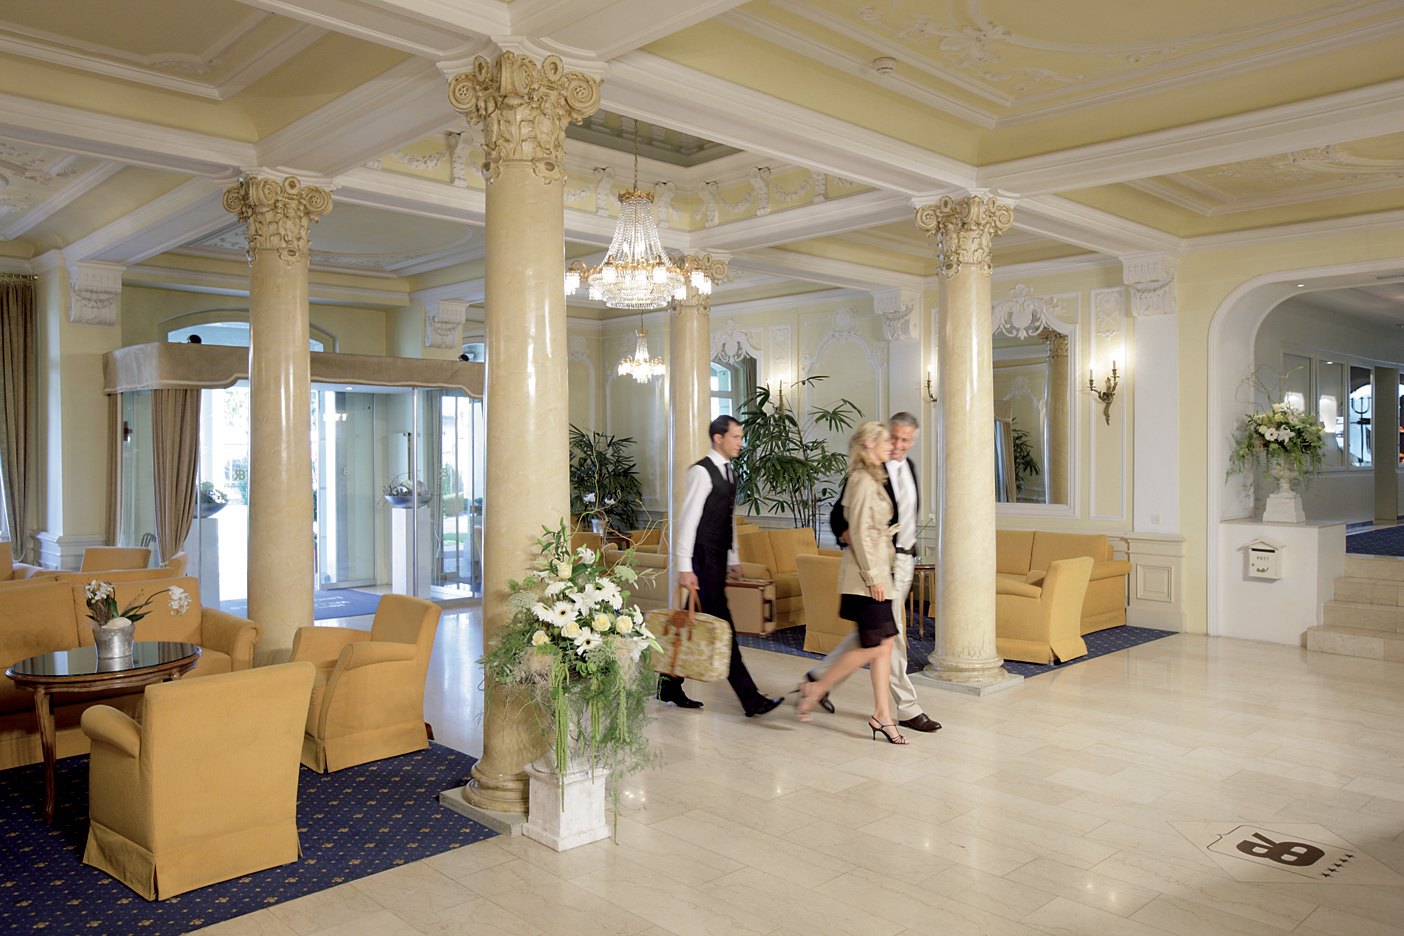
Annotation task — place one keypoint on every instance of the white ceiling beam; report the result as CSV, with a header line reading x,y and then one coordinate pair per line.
x,y
821,219
1090,228
838,273
185,213
603,30
1358,114
432,29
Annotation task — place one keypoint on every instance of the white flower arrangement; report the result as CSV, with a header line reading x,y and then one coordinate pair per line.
x,y
1280,432
101,599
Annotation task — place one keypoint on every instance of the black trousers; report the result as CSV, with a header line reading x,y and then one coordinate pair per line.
x,y
711,589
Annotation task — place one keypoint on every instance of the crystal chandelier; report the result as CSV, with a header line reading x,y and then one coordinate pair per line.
x,y
636,273
640,366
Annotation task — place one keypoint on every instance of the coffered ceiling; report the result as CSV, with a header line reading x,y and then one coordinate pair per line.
x,y
792,134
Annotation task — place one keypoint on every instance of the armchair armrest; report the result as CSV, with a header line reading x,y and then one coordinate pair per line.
x,y
831,552
231,634
23,570
1110,569
104,723
322,646
1035,577
369,652
1014,587
755,570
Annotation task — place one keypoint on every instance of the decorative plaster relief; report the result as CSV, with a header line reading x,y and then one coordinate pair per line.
x,y
94,287
760,182
965,230
780,344
1151,277
896,308
576,348
277,215
1302,164
1027,315
604,190
843,326
735,343
663,211
443,327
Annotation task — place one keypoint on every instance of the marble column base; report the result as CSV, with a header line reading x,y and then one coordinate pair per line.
x,y
503,823
934,679
580,821
1284,508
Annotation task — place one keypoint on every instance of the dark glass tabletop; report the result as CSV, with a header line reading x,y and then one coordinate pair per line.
x,y
83,661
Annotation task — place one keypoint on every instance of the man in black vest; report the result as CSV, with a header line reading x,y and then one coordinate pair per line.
x,y
902,488
706,548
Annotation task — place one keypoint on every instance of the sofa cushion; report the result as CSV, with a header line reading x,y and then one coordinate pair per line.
x,y
35,580
115,576
787,544
160,622
755,547
1050,547
36,619
1012,551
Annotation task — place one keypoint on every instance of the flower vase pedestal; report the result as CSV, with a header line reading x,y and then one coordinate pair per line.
x,y
1284,505
565,821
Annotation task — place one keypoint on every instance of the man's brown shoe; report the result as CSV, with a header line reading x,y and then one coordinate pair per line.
x,y
922,722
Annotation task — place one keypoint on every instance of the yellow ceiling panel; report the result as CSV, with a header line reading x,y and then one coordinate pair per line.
x,y
155,28
834,248
118,196
729,53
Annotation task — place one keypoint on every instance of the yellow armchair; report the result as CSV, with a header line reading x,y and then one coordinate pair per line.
x,y
368,695
230,740
818,579
1041,623
10,570
104,558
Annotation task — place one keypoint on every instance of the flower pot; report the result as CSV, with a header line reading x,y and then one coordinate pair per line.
x,y
403,500
205,509
113,643
1284,505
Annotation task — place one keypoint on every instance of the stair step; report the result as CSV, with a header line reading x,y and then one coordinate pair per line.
x,y
1369,591
1373,617
1380,568
1356,642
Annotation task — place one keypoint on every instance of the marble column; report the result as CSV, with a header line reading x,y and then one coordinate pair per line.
x,y
523,109
1058,427
965,656
278,212
689,384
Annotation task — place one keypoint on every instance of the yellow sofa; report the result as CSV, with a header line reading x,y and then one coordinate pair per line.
x,y
52,615
204,787
650,591
774,551
1040,623
1025,555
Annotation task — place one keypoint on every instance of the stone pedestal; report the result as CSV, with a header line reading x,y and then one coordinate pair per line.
x,y
564,823
1284,508
523,109
965,652
281,561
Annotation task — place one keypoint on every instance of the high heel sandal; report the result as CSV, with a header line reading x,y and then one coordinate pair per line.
x,y
878,727
801,709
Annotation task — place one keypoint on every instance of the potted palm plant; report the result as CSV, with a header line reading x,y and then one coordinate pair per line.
x,y
604,480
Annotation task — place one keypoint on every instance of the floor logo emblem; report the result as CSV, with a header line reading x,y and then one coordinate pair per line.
x,y
1285,853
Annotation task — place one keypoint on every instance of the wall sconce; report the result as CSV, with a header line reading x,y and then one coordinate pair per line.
x,y
780,404
1105,396
930,390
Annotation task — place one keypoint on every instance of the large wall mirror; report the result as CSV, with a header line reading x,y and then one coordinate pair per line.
x,y
1034,347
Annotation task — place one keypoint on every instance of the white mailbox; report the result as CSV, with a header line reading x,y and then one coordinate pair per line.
x,y
1264,559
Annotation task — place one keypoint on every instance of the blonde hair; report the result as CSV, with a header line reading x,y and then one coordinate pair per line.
x,y
858,459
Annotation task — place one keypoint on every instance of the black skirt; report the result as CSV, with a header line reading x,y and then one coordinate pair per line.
x,y
874,618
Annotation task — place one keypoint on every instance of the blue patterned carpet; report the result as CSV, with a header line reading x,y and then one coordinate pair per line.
x,y
351,823
326,603
1386,542
791,641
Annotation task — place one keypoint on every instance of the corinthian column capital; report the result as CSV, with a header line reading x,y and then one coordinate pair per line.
x,y
524,109
965,229
714,268
277,213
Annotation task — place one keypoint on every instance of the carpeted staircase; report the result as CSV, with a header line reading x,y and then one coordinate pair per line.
x,y
1366,616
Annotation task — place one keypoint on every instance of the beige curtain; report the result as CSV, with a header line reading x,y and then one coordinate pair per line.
x,y
175,431
19,372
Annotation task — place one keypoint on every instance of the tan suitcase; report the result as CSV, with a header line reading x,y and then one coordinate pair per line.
x,y
752,604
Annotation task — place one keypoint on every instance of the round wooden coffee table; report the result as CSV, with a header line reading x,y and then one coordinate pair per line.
x,y
80,672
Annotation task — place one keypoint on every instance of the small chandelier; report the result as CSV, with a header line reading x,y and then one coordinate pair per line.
x,y
640,366
637,272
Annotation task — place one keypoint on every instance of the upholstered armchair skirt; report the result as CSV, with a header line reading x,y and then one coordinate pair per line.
x,y
204,787
368,695
1040,623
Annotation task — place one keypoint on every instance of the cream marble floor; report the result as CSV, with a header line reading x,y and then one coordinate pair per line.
x,y
1044,809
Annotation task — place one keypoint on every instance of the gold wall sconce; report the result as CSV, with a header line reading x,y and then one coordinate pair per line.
x,y
930,390
1107,395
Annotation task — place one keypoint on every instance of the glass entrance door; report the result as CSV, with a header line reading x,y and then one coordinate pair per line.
x,y
346,495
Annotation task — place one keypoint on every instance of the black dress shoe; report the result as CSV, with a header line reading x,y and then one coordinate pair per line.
x,y
763,706
922,722
824,702
677,697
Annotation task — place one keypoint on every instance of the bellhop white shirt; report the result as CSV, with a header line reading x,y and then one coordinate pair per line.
x,y
901,474
697,484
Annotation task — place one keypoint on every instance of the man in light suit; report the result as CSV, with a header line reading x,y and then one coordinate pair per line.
x,y
902,488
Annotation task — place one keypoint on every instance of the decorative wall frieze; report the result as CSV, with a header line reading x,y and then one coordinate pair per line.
x,y
760,182
1151,276
94,288
523,109
604,190
663,193
443,325
897,308
965,229
277,214
1025,315
732,345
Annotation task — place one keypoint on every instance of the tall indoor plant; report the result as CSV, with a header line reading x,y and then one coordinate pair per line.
x,y
604,479
785,465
